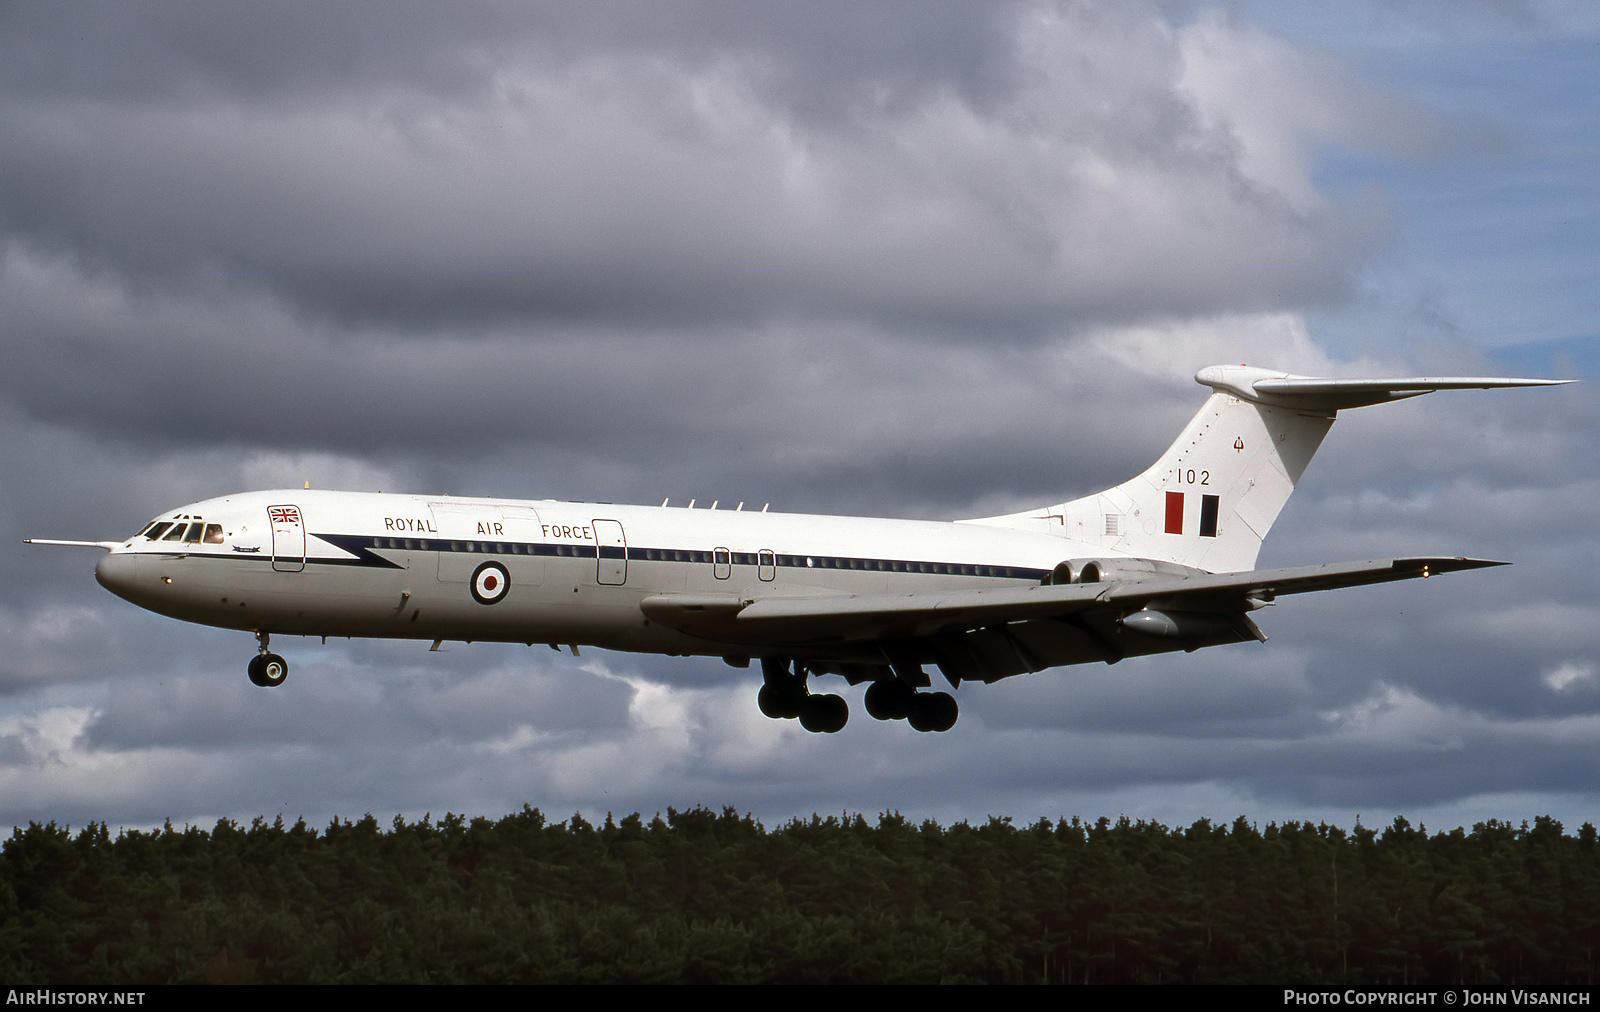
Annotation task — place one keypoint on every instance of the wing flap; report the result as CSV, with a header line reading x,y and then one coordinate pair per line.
x,y
913,616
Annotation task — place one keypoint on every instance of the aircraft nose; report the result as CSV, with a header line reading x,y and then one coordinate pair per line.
x,y
117,573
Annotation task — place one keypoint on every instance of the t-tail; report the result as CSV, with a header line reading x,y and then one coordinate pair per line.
x,y
1208,502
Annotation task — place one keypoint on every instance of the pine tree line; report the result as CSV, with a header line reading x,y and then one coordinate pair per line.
x,y
700,896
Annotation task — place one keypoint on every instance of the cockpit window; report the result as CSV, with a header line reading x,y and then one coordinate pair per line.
x,y
213,534
193,536
176,534
155,530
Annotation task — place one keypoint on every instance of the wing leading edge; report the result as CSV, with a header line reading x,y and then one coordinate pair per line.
x,y
991,634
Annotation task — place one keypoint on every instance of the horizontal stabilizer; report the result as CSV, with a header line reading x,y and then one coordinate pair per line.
x,y
1266,387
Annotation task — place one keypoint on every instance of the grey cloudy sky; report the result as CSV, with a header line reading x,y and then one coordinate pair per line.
x,y
890,258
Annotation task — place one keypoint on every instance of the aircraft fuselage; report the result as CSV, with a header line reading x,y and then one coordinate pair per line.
x,y
322,563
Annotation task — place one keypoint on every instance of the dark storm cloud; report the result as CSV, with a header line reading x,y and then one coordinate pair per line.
x,y
165,51
602,184
1246,693
823,416
246,376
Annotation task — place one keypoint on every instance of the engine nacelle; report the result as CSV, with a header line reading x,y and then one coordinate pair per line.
x,y
1115,570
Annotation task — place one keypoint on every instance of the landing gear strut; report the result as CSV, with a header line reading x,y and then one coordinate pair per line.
x,y
267,669
784,695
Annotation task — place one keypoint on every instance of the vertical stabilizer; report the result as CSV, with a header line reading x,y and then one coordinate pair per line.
x,y
1210,499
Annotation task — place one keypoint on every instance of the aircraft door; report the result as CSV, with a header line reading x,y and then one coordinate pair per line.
x,y
455,533
288,538
611,553
522,529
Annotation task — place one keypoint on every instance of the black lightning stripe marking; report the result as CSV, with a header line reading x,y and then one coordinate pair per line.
x,y
364,551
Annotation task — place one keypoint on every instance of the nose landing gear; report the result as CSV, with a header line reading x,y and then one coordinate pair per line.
x,y
267,669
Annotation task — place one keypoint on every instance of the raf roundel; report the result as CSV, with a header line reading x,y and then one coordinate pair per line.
x,y
490,582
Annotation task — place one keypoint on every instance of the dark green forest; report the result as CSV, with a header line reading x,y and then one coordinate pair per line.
x,y
699,896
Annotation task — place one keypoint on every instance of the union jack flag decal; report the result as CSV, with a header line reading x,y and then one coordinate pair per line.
x,y
283,514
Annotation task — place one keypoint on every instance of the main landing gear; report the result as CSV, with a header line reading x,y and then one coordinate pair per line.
x,y
784,695
892,699
267,669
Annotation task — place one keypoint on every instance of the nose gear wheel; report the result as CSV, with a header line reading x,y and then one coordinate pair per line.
x,y
267,669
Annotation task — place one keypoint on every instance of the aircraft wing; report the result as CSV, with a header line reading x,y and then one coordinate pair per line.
x,y
1037,627
880,615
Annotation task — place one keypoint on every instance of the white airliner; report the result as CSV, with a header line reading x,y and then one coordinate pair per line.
x,y
1159,563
